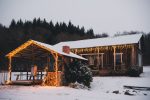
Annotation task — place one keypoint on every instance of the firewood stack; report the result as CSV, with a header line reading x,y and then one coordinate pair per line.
x,y
50,79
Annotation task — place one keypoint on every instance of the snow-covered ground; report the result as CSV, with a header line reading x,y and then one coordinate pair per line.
x,y
101,89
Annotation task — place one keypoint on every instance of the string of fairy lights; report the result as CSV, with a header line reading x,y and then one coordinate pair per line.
x,y
102,48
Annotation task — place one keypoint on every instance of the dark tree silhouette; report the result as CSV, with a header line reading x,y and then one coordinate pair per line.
x,y
19,32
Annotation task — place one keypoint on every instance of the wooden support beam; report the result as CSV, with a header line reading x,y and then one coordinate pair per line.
x,y
56,68
133,56
36,52
114,47
102,59
9,68
27,75
90,54
121,58
98,57
76,50
32,54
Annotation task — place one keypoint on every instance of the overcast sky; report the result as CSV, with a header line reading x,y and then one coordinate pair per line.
x,y
109,16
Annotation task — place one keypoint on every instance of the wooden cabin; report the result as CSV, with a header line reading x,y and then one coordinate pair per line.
x,y
42,62
110,55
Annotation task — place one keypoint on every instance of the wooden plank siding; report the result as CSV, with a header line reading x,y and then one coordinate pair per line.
x,y
128,53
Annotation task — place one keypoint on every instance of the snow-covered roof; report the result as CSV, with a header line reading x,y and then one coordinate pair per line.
x,y
59,50
108,41
45,46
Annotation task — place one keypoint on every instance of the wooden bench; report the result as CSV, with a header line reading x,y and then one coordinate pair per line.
x,y
28,75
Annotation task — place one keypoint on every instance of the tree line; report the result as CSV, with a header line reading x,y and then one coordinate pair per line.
x,y
19,32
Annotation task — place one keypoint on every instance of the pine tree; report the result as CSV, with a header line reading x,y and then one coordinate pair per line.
x,y
84,75
90,32
13,24
78,72
70,72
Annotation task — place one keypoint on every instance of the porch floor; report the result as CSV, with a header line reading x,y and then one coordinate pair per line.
x,y
26,82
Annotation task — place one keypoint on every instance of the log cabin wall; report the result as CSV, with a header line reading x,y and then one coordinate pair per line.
x,y
126,56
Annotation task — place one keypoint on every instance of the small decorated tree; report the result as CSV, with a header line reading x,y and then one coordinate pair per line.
x,y
78,72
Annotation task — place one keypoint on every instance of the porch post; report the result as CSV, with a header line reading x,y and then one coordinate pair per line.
x,y
98,58
76,51
9,68
133,56
102,57
27,72
121,58
56,68
114,57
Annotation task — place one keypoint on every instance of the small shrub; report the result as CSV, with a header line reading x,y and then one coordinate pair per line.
x,y
134,71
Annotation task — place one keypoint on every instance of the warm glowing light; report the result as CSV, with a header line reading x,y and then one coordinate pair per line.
x,y
50,79
96,49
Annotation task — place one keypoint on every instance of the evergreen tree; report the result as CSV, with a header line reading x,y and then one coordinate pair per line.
x,y
90,32
77,72
84,75
12,24
70,72
20,23
82,31
34,22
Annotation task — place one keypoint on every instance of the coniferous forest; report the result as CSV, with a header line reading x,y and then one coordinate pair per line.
x,y
19,32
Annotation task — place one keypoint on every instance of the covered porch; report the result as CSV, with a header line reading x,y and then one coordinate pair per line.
x,y
38,62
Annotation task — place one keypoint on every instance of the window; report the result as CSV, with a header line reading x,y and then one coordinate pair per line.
x,y
119,58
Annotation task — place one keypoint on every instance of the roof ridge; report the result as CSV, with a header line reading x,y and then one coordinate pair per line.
x,y
107,41
102,38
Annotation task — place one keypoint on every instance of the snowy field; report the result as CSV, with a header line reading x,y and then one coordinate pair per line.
x,y
102,88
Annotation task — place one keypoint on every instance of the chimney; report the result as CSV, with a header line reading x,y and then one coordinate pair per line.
x,y
66,49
